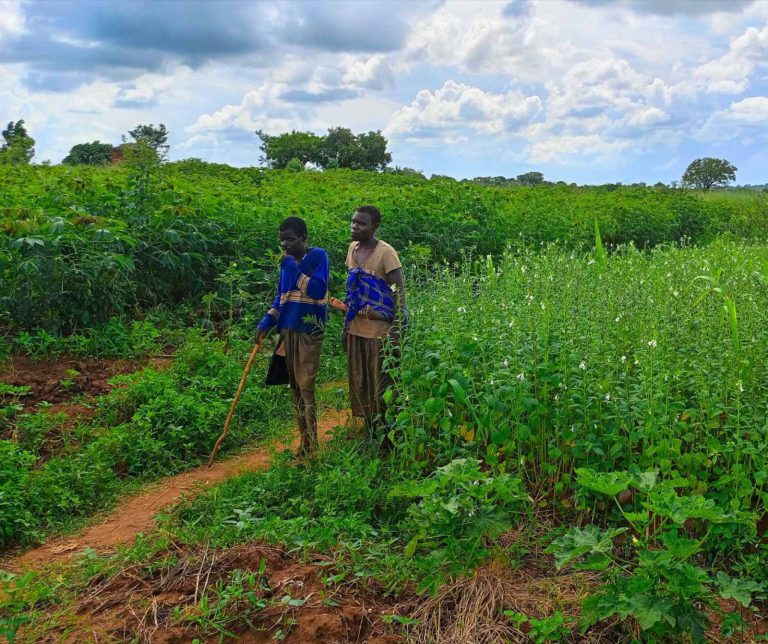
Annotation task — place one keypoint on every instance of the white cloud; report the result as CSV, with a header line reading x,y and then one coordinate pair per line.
x,y
744,119
260,108
11,18
567,148
456,107
731,72
373,72
146,89
647,116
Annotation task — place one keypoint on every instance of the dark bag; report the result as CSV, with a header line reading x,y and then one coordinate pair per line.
x,y
277,373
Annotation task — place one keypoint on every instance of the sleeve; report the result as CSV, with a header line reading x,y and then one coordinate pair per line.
x,y
270,319
390,260
314,283
349,261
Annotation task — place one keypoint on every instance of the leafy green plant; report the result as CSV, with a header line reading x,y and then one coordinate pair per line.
x,y
652,577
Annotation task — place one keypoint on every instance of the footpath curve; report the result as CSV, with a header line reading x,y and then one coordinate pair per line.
x,y
135,514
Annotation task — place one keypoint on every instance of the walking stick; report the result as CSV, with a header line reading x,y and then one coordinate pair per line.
x,y
256,348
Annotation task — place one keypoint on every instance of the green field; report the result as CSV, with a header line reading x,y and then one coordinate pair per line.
x,y
595,403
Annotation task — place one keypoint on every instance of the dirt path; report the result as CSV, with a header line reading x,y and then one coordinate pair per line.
x,y
136,514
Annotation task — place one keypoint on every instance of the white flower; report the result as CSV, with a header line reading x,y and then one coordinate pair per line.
x,y
741,386
511,323
462,309
557,396
590,262
623,359
521,376
583,366
505,363
522,270
607,397
618,318
542,306
652,344
676,293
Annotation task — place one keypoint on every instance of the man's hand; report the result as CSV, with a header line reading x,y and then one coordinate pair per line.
x,y
260,335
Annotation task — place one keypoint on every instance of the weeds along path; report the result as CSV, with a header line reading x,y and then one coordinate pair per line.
x,y
136,514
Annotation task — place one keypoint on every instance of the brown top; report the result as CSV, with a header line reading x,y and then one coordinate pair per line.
x,y
383,260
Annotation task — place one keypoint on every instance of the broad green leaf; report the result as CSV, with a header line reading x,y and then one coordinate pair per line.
x,y
580,541
739,589
610,483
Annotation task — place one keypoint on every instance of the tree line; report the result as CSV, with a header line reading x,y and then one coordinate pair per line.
x,y
297,151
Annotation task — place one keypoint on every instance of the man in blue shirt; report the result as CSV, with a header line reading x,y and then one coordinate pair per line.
x,y
300,311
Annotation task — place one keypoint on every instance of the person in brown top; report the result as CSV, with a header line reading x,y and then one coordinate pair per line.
x,y
377,311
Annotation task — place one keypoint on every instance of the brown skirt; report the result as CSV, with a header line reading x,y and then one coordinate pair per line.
x,y
367,379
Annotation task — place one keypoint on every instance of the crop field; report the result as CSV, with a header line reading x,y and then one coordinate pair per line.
x,y
578,423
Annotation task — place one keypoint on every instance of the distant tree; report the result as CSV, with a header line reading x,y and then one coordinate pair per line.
x,y
494,181
19,147
279,150
708,173
368,151
530,179
340,148
411,172
155,138
95,153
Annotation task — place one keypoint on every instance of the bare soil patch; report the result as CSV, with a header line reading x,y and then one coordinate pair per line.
x,y
60,380
162,603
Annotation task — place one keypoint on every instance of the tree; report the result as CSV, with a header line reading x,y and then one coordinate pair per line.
x,y
153,137
530,179
278,151
340,148
19,147
708,173
95,153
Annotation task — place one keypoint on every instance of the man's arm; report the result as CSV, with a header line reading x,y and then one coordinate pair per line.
x,y
313,284
395,277
269,320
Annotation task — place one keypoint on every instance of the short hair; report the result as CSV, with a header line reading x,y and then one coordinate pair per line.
x,y
295,224
373,211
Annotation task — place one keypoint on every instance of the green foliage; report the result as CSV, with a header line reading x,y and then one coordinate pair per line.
x,y
95,153
233,600
340,148
18,147
80,245
159,423
708,173
660,586
459,503
530,179
155,138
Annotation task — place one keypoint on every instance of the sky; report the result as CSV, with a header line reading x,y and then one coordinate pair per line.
x,y
591,91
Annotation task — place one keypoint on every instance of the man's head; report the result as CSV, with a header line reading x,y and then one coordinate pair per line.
x,y
293,236
365,222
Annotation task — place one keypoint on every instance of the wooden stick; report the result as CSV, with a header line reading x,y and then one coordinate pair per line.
x,y
234,402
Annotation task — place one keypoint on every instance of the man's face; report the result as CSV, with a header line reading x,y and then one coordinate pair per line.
x,y
291,243
362,227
